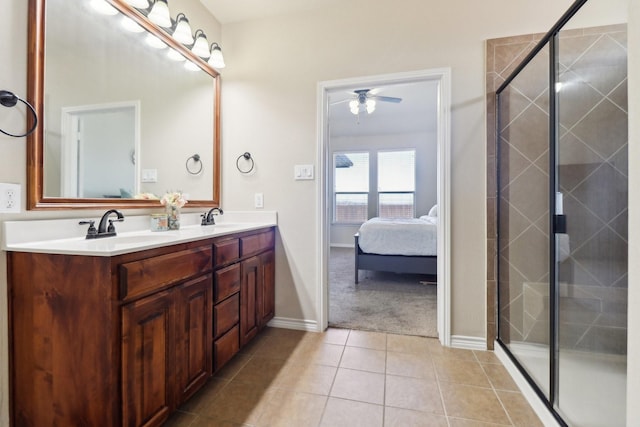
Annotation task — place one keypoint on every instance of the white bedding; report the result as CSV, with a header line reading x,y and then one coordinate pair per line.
x,y
399,236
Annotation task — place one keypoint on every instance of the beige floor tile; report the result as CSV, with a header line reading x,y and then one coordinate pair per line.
x,y
336,336
260,370
518,408
413,393
240,403
359,385
473,403
233,367
407,344
459,422
317,353
205,396
211,422
278,348
486,356
180,419
290,409
366,339
460,371
347,413
410,365
436,349
363,359
396,417
499,377
316,379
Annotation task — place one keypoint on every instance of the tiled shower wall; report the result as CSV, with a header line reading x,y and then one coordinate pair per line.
x,y
593,180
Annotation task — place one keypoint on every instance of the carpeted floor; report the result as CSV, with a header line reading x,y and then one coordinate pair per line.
x,y
386,302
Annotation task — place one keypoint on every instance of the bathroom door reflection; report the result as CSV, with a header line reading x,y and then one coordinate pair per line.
x,y
99,152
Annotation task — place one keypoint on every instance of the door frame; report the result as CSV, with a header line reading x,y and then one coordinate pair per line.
x,y
443,77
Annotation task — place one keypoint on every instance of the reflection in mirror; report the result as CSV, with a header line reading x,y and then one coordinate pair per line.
x,y
121,117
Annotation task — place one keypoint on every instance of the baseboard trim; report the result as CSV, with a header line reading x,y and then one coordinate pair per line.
x,y
536,404
342,245
468,343
297,324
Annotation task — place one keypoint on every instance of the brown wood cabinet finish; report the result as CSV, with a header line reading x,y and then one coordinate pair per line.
x,y
124,340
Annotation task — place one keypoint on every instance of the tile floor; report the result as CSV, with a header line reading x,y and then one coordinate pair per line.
x,y
354,378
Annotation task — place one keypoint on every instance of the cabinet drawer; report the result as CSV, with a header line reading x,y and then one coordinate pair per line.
x,y
147,275
226,251
225,315
225,347
227,282
257,242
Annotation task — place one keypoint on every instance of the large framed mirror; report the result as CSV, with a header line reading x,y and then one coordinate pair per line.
x,y
119,119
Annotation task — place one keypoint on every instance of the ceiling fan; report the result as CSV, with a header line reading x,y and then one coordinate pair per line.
x,y
365,100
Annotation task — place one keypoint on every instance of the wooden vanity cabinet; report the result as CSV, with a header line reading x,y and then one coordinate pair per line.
x,y
125,340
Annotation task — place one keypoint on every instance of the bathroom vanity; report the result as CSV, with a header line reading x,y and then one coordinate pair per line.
x,y
124,335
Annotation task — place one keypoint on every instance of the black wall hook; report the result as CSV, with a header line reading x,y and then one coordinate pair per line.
x,y
9,99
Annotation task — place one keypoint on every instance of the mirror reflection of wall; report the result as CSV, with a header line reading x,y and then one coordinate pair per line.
x,y
89,60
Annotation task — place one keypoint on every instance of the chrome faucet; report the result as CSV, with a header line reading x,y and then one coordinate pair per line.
x,y
103,230
208,218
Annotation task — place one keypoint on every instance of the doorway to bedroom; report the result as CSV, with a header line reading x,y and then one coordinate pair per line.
x,y
382,191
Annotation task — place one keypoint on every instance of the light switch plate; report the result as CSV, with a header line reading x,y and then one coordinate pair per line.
x,y
10,198
303,172
149,175
259,200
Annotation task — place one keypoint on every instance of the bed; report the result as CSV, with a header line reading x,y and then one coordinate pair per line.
x,y
407,245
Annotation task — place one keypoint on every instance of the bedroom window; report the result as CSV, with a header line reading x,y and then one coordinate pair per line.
x,y
396,184
351,187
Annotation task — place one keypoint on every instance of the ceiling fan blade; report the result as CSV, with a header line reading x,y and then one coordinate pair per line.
x,y
339,102
387,98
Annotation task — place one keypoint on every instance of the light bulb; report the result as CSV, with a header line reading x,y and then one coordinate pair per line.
x,y
159,14
216,60
182,33
103,7
371,106
140,4
131,25
155,42
201,45
172,54
354,106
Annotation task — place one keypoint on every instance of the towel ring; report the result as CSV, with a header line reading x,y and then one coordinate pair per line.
x,y
196,159
9,99
247,156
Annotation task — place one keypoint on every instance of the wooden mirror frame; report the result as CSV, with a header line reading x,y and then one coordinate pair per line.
x,y
35,94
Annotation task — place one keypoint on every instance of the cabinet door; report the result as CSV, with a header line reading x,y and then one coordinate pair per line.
x,y
193,336
147,336
250,293
267,304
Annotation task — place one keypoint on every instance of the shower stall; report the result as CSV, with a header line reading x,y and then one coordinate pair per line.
x,y
561,153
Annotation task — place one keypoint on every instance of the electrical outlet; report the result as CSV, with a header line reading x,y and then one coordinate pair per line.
x,y
10,198
259,200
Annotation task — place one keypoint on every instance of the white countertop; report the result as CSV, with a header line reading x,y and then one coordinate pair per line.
x,y
67,237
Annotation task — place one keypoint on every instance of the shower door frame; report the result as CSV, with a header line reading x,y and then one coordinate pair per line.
x,y
550,38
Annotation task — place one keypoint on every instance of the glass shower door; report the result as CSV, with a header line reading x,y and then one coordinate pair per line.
x,y
523,220
592,254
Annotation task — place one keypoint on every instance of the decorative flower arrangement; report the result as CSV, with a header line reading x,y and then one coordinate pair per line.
x,y
146,196
173,199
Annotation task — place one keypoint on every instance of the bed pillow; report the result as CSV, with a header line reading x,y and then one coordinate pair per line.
x,y
433,211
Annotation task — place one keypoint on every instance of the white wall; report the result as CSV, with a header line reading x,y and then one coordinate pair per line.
x,y
269,98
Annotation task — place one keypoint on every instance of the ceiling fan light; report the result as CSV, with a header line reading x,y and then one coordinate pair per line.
x,y
159,14
182,32
131,25
371,106
354,106
216,60
101,6
201,45
140,4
